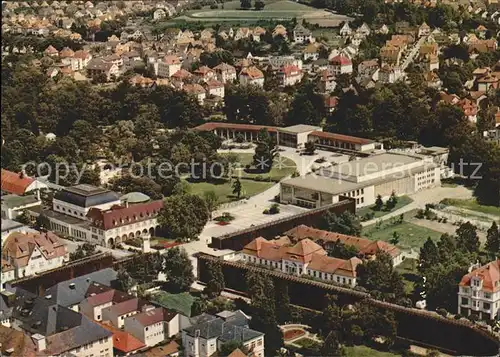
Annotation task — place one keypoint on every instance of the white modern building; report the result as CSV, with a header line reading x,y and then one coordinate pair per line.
x,y
479,292
153,326
362,180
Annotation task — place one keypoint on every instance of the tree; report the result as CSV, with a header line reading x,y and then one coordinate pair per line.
x,y
83,251
467,239
391,202
259,5
263,307
124,280
307,107
178,270
237,188
216,281
183,217
282,299
379,275
379,203
265,151
245,4
309,148
395,238
341,250
331,346
493,239
199,306
211,200
331,317
345,223
429,256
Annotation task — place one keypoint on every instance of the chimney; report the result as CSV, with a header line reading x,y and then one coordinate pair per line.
x,y
21,175
40,342
125,203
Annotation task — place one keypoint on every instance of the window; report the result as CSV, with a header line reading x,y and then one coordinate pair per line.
x,y
147,328
486,305
487,295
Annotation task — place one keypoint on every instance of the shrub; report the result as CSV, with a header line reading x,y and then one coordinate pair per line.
x,y
420,214
266,211
442,312
275,208
277,198
458,317
226,217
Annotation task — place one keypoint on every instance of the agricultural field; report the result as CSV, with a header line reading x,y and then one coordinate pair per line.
x,y
274,10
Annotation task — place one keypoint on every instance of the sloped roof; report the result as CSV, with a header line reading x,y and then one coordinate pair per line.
x,y
15,183
341,60
489,274
150,317
123,341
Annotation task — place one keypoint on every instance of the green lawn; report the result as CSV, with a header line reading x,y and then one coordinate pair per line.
x,y
411,235
180,302
306,343
402,201
223,189
473,205
364,351
282,167
408,270
270,5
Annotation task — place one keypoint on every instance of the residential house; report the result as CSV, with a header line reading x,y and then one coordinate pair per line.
x,y
469,108
311,52
19,183
345,30
368,68
257,33
389,74
117,313
25,254
124,344
13,205
331,103
159,14
207,333
485,83
83,58
479,292
225,73
141,81
302,258
424,30
302,35
252,75
327,82
204,74
242,32
289,75
340,64
196,90
153,326
215,88
51,51
433,80
280,30
97,67
181,76
100,297
167,66
384,30
391,54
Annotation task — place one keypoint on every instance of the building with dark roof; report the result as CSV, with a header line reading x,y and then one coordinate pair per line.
x,y
57,330
207,333
117,313
77,200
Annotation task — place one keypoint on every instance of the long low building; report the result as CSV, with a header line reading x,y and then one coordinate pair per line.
x,y
293,136
362,180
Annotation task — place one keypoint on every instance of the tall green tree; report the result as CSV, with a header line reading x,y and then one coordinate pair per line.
x,y
282,299
467,238
265,152
345,223
493,239
429,256
331,346
178,270
237,188
183,217
246,4
216,283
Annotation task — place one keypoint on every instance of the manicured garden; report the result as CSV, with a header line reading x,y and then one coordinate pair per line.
x,y
410,235
307,343
367,213
224,189
282,167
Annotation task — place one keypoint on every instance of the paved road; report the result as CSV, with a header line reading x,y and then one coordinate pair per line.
x,y
421,198
413,53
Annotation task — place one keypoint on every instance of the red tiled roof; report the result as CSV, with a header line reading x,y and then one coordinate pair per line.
x,y
365,246
245,127
341,60
214,84
203,70
182,74
289,70
163,351
112,295
171,60
340,137
331,101
119,216
15,183
237,353
150,317
123,341
489,274
128,306
252,72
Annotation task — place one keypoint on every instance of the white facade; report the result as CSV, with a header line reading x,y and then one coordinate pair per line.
x,y
200,347
9,212
77,211
152,334
117,319
474,298
246,80
101,348
94,312
167,70
216,91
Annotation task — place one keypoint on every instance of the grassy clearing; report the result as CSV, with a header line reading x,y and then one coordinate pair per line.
x,y
180,302
402,201
224,190
472,205
408,270
282,168
364,351
410,235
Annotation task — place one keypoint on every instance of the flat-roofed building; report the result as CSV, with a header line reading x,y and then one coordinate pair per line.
x,y
296,135
362,180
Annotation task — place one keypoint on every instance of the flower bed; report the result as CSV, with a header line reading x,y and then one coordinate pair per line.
x,y
291,334
222,223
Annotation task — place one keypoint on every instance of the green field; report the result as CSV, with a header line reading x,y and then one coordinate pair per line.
x,y
282,168
410,235
223,189
364,351
180,302
402,201
472,205
279,10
